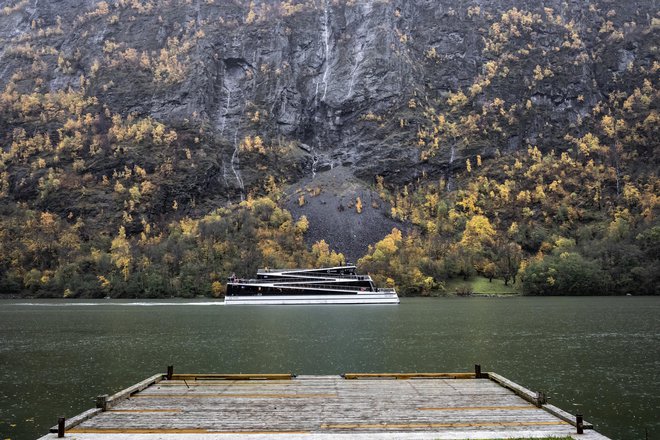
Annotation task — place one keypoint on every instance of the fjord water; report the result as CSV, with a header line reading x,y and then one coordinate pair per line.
x,y
598,355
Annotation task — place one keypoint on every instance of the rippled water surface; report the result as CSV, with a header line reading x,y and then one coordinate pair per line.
x,y
597,355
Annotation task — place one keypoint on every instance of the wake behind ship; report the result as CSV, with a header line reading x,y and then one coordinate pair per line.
x,y
328,285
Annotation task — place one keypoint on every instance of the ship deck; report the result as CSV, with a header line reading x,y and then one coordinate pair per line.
x,y
360,406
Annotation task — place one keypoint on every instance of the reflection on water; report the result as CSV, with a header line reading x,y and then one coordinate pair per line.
x,y
114,304
598,356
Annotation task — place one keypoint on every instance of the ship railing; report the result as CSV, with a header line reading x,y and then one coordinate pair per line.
x,y
386,290
272,280
292,279
299,269
324,286
311,275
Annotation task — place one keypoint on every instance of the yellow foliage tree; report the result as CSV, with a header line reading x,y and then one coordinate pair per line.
x,y
120,253
478,232
324,257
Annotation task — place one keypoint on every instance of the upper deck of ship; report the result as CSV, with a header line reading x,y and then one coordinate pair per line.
x,y
327,275
347,270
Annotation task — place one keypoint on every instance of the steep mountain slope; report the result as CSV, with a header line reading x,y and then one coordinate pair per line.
x,y
141,114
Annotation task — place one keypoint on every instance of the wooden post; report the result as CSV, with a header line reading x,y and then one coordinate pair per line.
x,y
541,399
102,402
60,427
170,372
477,371
579,423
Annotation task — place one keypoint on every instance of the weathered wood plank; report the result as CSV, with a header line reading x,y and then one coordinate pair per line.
x,y
532,397
234,381
282,419
241,396
174,431
408,375
125,393
523,392
570,418
436,425
232,376
479,408
77,420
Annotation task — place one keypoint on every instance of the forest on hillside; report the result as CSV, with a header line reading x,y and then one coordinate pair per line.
x,y
98,199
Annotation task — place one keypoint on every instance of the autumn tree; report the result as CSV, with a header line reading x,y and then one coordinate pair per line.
x,y
120,252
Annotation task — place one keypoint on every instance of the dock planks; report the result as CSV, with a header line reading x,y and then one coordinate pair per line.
x,y
436,405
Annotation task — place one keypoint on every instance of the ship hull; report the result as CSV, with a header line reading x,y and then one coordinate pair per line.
x,y
360,298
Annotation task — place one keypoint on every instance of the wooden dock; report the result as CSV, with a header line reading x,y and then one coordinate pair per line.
x,y
363,406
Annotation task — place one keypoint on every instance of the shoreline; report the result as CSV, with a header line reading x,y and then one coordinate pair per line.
x,y
8,297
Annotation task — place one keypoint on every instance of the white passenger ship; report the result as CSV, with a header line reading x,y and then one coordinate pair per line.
x,y
329,285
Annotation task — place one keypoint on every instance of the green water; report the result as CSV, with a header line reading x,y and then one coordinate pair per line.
x,y
597,355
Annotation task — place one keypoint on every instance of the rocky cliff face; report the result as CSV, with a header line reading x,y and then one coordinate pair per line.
x,y
324,83
337,76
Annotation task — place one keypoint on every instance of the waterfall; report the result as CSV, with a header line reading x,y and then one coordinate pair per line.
x,y
315,162
326,37
235,160
450,177
223,117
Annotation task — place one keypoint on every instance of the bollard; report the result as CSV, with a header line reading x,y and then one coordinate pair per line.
x,y
541,399
170,372
579,423
60,427
102,402
477,371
